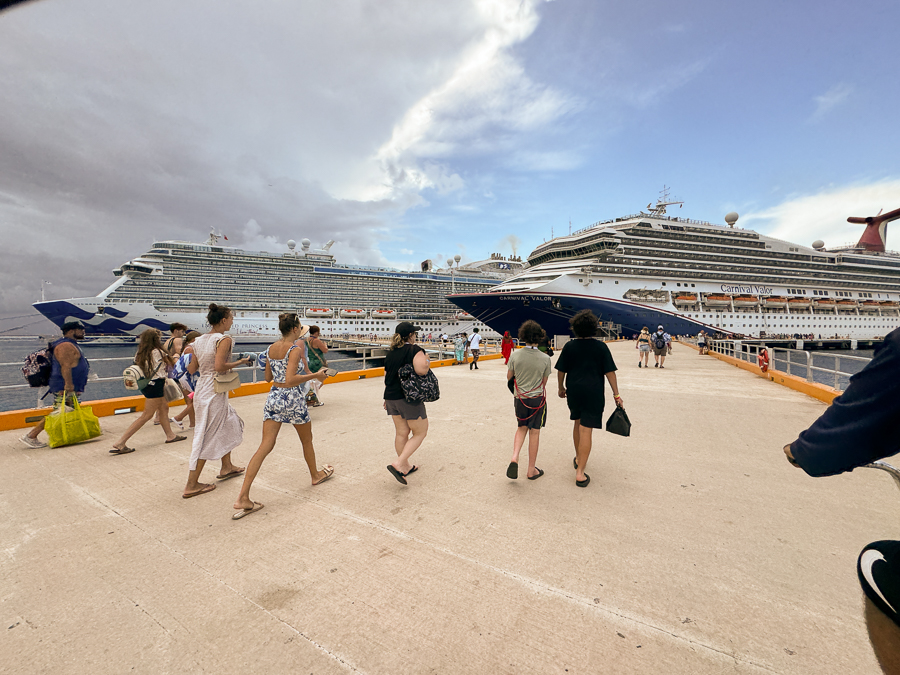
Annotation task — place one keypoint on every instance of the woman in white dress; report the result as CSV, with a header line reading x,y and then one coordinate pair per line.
x,y
219,430
286,404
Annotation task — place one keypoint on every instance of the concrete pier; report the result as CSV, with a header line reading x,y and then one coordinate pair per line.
x,y
695,549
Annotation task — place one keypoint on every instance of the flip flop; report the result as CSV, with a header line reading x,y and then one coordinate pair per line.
x,y
231,474
412,470
246,512
329,472
399,476
123,451
208,488
575,462
177,438
540,472
512,471
583,483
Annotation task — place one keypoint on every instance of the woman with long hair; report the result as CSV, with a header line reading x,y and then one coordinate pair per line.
x,y
506,347
581,367
285,404
643,346
410,419
154,361
219,429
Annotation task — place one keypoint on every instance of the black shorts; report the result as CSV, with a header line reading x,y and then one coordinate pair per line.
x,y
155,389
587,408
531,412
407,411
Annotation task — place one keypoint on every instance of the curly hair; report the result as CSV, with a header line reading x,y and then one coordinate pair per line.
x,y
584,324
531,332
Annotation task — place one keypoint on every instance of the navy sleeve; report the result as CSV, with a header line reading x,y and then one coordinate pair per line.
x,y
862,424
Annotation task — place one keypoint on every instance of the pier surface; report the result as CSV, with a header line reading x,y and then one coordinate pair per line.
x,y
696,548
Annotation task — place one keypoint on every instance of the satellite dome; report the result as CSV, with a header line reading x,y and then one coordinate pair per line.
x,y
731,218
304,243
292,244
818,244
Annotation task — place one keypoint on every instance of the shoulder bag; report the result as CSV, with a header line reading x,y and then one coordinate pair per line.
x,y
418,388
618,423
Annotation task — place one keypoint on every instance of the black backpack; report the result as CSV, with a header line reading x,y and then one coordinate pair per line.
x,y
38,367
659,341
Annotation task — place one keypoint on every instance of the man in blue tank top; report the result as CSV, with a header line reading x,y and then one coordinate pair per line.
x,y
68,376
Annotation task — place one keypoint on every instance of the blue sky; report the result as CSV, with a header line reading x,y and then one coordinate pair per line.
x,y
407,131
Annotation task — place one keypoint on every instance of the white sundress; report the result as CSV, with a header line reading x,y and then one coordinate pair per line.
x,y
287,406
219,429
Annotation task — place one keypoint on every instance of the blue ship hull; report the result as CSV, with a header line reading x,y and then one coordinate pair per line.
x,y
507,311
110,322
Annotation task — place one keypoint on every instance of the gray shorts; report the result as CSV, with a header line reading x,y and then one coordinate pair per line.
x,y
407,411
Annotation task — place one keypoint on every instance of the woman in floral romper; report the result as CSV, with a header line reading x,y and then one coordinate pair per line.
x,y
286,404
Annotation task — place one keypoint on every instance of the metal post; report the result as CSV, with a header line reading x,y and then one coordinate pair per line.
x,y
364,358
837,364
809,370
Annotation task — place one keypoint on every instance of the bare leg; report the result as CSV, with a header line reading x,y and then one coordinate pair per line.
x,y
518,441
269,435
151,407
662,359
583,448
419,429
193,482
401,434
534,438
304,431
38,428
228,466
188,411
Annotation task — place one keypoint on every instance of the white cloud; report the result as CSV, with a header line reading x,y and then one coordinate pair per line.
x,y
406,251
803,219
831,99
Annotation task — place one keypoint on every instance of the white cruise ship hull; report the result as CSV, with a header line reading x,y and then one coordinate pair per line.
x,y
554,303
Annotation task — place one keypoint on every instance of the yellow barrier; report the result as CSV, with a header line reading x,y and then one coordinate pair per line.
x,y
21,419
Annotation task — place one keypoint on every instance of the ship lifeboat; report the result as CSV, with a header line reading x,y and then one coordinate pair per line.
x,y
847,304
685,299
890,304
319,313
869,306
718,301
824,304
798,303
746,301
464,316
384,314
774,301
353,313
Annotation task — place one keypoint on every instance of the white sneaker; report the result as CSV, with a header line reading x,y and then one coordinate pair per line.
x,y
33,442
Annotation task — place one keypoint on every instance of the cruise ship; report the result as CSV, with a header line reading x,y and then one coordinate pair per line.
x,y
653,269
175,281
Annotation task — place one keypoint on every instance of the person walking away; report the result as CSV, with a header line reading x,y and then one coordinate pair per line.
x,y
506,347
219,428
701,342
460,346
660,341
68,375
581,368
173,347
155,362
643,345
529,370
474,347
187,380
285,404
410,419
858,428
317,361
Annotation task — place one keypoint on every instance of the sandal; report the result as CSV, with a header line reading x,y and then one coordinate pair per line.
x,y
329,472
121,451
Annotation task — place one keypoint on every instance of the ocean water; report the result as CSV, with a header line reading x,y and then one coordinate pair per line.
x,y
110,361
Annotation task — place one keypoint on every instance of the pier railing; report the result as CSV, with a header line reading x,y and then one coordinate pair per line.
x,y
829,368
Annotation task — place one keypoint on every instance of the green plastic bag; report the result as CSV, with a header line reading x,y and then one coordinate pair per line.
x,y
67,427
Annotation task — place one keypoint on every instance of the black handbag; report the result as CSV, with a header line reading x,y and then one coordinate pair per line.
x,y
618,423
418,388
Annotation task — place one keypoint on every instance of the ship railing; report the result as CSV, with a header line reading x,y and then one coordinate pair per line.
x,y
829,368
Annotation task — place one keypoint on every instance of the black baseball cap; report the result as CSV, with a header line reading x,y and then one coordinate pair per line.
x,y
72,325
406,328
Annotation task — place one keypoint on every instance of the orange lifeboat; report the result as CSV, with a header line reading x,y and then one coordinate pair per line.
x,y
890,304
869,306
798,303
718,301
746,301
775,301
319,313
824,303
685,299
353,313
384,313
